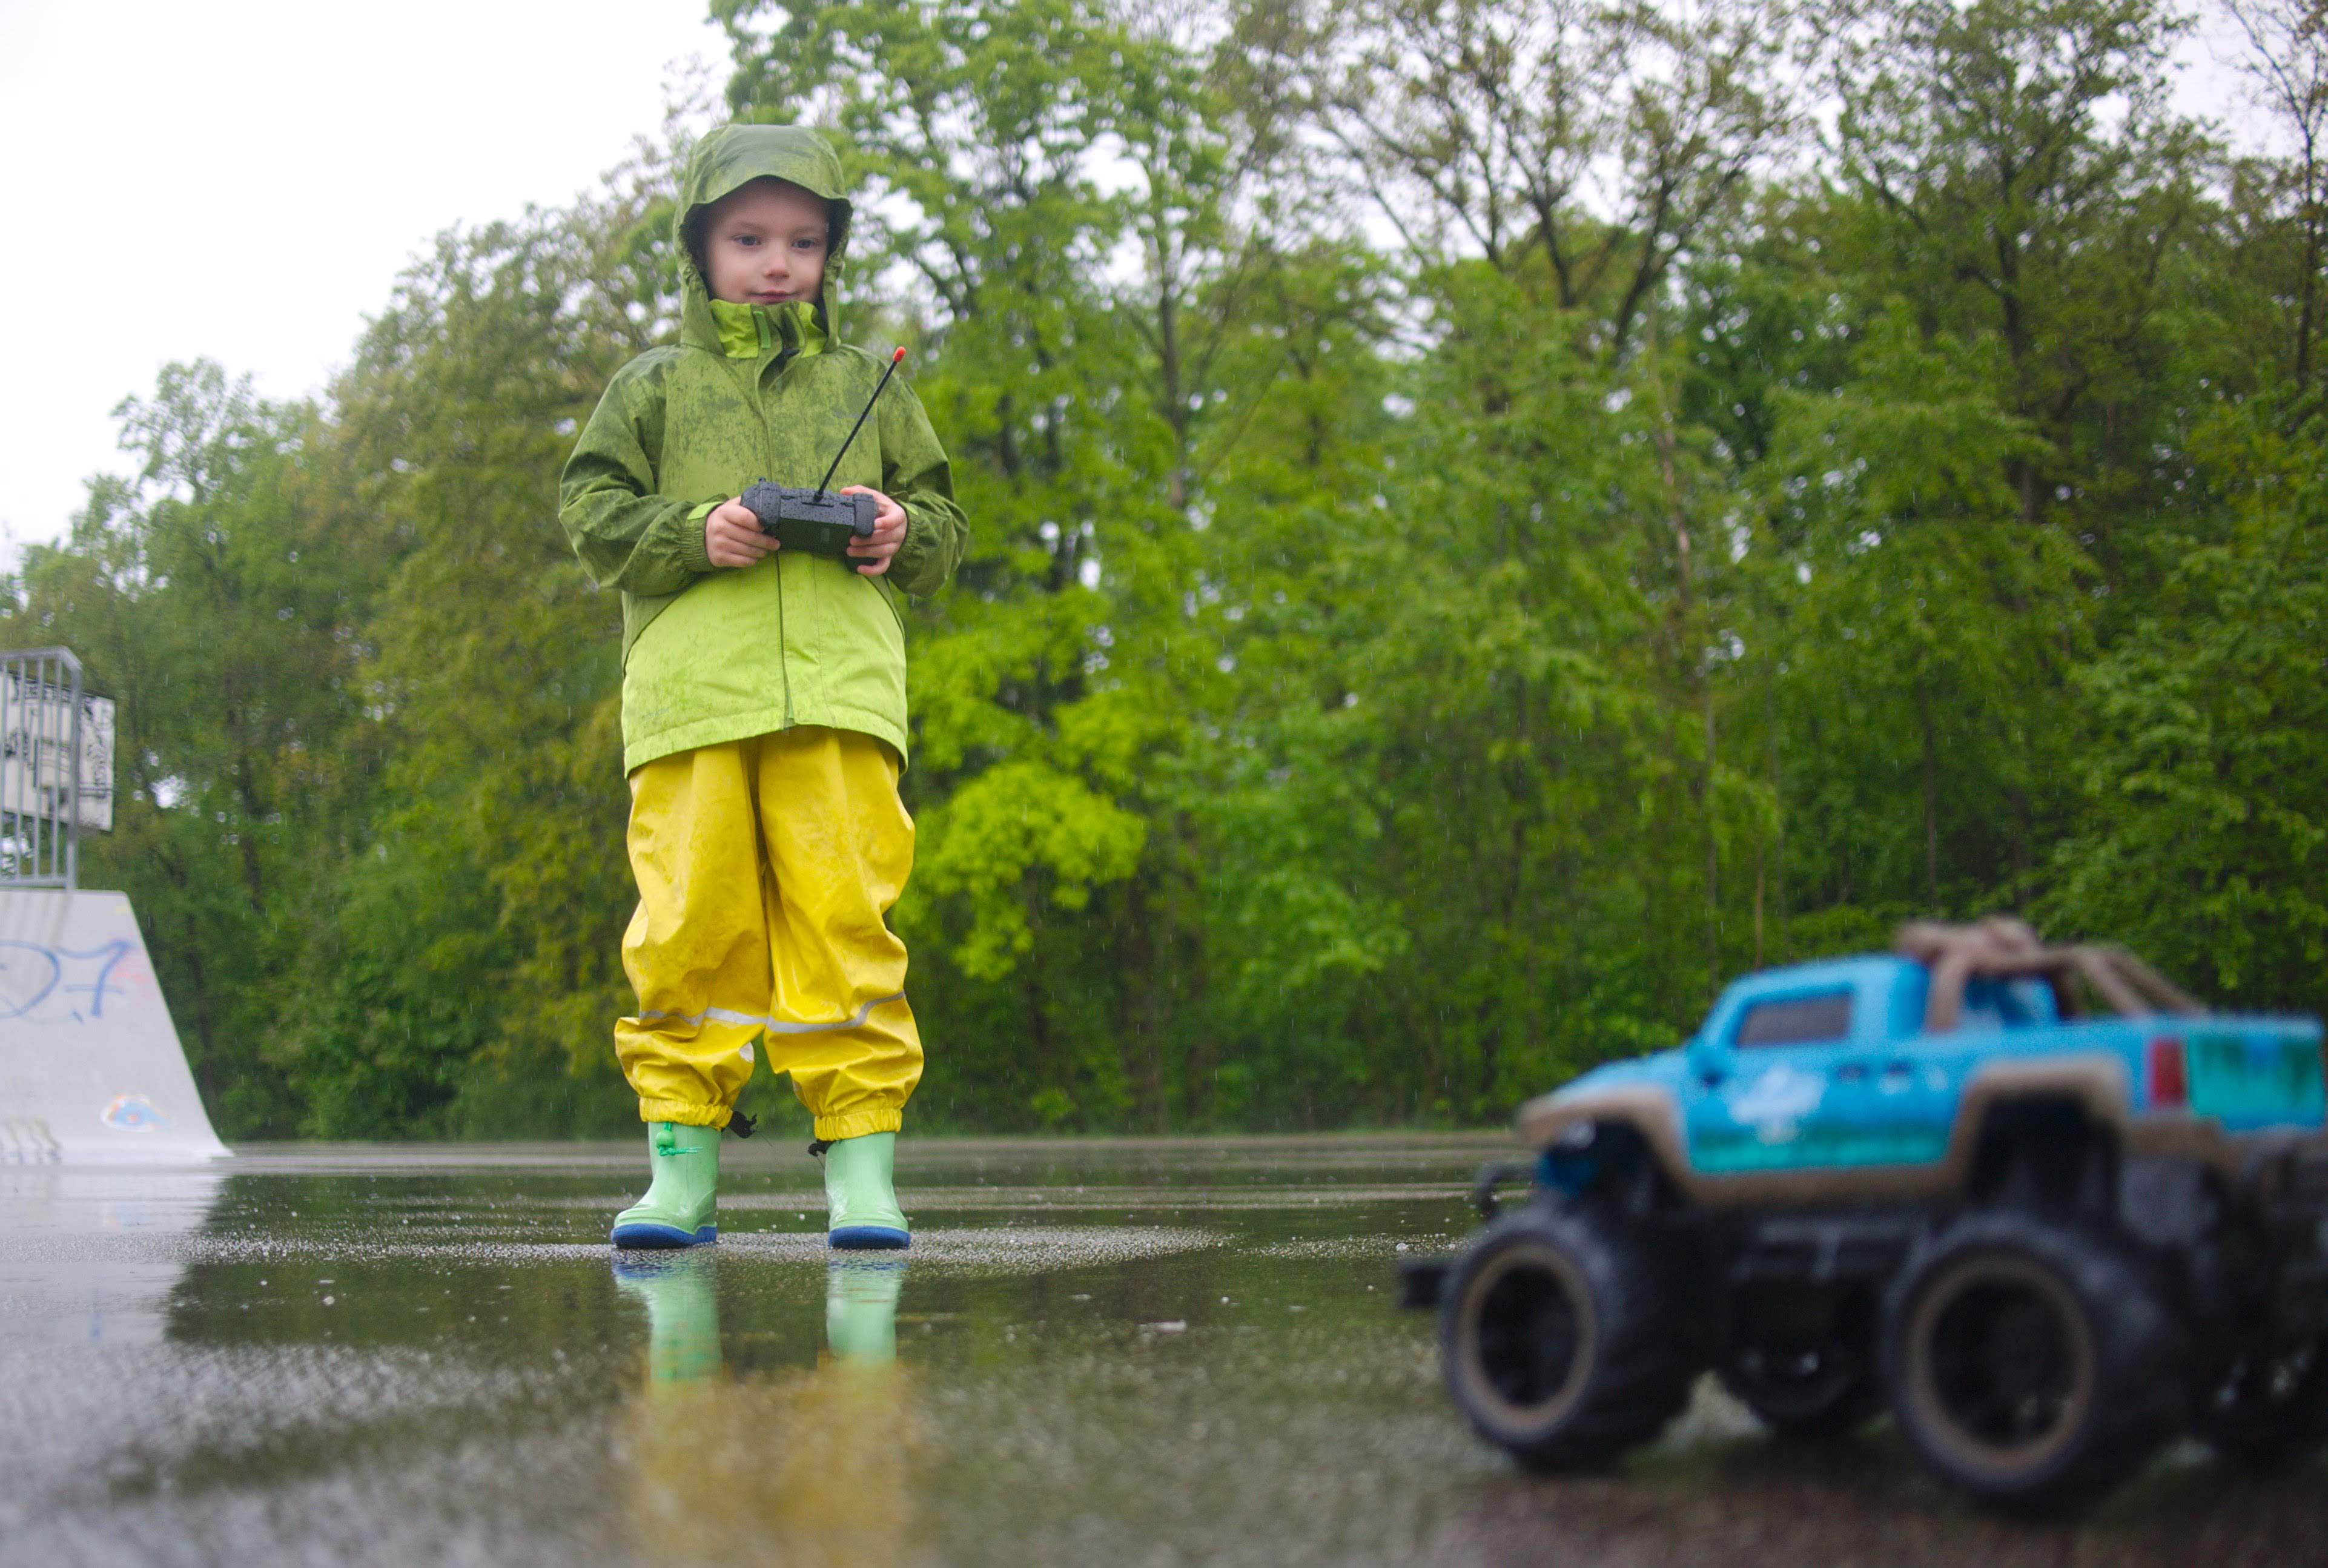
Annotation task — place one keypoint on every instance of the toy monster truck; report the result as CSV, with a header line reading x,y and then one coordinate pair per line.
x,y
2034,1199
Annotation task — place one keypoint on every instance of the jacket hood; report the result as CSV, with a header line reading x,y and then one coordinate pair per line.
x,y
730,158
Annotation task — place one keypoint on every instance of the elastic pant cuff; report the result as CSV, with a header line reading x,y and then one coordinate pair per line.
x,y
686,1113
857,1123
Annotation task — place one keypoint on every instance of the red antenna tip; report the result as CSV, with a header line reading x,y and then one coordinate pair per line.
x,y
899,355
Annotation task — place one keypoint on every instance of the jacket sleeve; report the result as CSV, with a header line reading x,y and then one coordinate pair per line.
x,y
627,535
915,474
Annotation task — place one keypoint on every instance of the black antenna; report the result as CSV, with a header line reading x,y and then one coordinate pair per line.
x,y
894,361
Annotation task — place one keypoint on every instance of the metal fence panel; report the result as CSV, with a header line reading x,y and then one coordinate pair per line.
x,y
41,767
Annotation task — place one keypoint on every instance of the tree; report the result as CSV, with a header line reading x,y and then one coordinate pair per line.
x,y
1599,138
2024,171
2203,842
2287,67
215,607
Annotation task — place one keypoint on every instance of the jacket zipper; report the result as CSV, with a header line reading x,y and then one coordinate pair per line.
x,y
768,458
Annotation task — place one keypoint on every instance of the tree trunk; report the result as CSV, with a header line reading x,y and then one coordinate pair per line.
x,y
1931,798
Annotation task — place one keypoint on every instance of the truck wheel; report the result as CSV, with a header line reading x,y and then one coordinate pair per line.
x,y
2268,1406
2031,1363
1560,1342
1830,1391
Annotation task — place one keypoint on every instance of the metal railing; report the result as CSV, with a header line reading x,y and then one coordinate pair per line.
x,y
40,768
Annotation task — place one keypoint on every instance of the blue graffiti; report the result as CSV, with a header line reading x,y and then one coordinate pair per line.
x,y
30,973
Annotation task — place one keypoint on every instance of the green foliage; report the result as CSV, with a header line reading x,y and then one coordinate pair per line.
x,y
1473,546
2204,841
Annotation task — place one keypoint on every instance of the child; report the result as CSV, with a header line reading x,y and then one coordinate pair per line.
x,y
763,693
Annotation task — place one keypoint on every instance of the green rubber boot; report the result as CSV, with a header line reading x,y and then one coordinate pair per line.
x,y
677,1210
860,1309
682,1307
860,1202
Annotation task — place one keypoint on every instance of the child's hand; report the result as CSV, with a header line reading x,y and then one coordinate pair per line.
x,y
732,536
870,557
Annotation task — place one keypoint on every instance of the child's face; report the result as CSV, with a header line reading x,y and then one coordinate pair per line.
x,y
764,243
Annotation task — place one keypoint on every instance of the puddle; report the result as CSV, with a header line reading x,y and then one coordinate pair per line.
x,y
1144,1352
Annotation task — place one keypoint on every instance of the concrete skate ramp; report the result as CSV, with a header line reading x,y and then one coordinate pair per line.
x,y
90,1067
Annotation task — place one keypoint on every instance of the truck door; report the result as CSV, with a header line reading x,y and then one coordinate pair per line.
x,y
1820,1080
1891,1101
1767,1084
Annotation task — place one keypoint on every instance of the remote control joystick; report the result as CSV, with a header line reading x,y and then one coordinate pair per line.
x,y
819,520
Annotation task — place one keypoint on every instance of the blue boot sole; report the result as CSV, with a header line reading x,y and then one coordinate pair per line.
x,y
651,1236
868,1238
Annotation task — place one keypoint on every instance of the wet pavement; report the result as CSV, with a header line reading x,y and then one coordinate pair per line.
x,y
1130,1352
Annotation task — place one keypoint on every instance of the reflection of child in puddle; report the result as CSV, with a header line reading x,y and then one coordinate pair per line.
x,y
787,1468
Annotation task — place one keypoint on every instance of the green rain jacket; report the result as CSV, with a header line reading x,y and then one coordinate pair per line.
x,y
712,655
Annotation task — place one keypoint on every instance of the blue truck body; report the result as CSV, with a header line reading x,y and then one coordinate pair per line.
x,y
1829,1067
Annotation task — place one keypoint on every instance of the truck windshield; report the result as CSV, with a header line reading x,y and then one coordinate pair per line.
x,y
1796,1021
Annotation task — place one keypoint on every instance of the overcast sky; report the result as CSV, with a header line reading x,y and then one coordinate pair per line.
x,y
243,179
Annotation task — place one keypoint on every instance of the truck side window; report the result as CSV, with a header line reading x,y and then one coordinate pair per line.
x,y
2006,1004
1798,1020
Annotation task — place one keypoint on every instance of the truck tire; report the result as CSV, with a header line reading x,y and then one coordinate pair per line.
x,y
1807,1394
2267,1406
1560,1343
2031,1363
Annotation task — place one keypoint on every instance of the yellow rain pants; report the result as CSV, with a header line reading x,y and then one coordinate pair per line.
x,y
764,867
